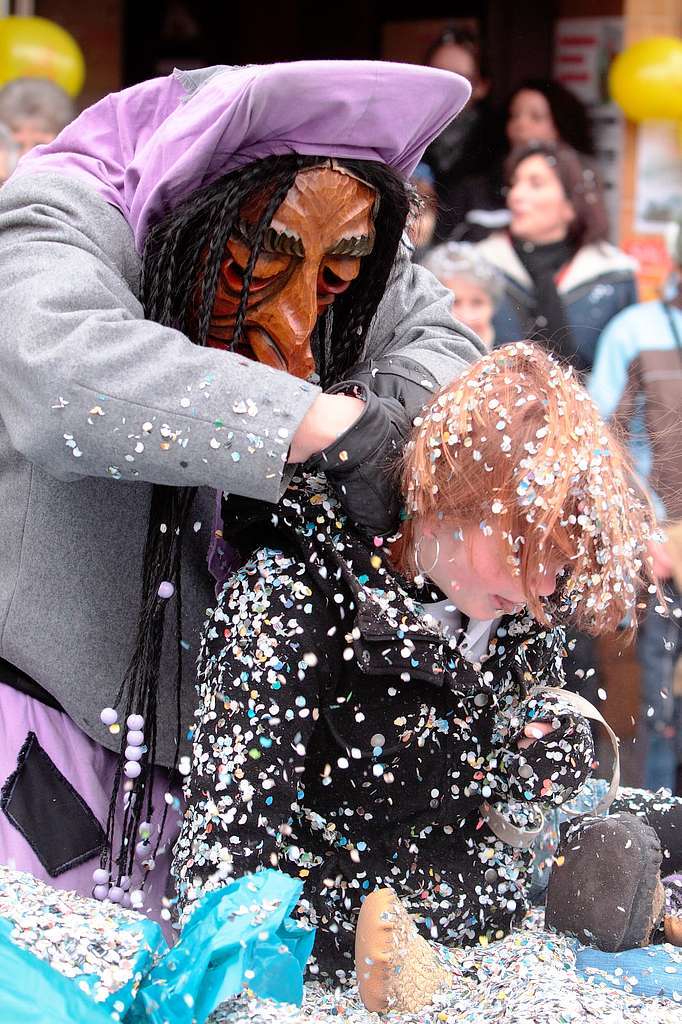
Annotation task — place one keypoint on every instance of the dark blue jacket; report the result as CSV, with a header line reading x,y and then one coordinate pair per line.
x,y
596,285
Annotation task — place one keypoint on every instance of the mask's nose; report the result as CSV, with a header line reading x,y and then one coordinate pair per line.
x,y
288,320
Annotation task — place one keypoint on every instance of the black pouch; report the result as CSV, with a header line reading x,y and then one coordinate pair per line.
x,y
53,818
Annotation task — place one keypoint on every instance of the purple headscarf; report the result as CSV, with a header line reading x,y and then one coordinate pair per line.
x,y
145,149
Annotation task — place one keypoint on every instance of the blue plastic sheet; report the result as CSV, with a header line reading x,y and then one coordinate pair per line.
x,y
240,935
651,971
222,947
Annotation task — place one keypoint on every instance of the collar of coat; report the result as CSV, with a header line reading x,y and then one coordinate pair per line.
x,y
598,261
388,629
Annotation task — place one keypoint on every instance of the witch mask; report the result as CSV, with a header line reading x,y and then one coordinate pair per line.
x,y
311,253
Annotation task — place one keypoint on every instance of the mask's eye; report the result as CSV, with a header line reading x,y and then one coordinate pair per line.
x,y
233,275
268,266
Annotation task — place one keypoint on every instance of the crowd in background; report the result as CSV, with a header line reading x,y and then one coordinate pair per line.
x,y
32,111
510,216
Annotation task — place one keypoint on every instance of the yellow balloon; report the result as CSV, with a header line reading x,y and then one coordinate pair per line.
x,y
37,48
646,79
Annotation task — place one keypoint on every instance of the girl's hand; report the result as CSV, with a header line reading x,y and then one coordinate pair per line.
x,y
534,731
549,759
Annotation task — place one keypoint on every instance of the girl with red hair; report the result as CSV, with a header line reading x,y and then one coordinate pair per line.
x,y
389,717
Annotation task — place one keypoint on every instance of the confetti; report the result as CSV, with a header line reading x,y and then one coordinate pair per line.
x,y
75,935
528,977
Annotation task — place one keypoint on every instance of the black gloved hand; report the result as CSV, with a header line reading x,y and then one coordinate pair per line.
x,y
554,767
362,464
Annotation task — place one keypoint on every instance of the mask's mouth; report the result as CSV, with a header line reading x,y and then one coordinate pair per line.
x,y
260,345
263,347
257,344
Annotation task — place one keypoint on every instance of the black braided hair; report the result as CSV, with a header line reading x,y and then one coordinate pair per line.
x,y
353,310
180,268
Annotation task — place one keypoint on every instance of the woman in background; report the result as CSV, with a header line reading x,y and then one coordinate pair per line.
x,y
465,150
538,110
563,281
542,110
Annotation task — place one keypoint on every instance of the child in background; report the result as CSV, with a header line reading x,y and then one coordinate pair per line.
x,y
636,384
476,286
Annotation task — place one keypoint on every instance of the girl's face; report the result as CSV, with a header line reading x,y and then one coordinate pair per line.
x,y
470,568
540,211
530,119
473,306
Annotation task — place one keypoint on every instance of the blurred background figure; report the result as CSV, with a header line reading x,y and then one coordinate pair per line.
x,y
637,383
422,223
9,153
463,151
476,286
563,281
539,110
35,110
542,110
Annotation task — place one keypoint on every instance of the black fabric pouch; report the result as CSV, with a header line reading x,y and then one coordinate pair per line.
x,y
53,818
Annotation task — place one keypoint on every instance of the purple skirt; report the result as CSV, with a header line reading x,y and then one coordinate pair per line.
x,y
57,782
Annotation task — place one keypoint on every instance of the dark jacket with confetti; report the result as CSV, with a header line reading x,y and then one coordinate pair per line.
x,y
341,737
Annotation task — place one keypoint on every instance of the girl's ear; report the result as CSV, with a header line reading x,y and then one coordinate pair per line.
x,y
428,526
398,550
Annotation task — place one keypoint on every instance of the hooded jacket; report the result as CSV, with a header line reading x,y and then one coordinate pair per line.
x,y
97,403
596,285
342,737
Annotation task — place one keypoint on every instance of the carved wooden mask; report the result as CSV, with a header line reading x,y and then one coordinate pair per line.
x,y
311,253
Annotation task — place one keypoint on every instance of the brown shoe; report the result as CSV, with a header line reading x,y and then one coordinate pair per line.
x,y
397,969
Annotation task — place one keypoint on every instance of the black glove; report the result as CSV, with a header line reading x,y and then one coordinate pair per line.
x,y
363,464
554,767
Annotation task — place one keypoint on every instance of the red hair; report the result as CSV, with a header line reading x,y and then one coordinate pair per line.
x,y
516,446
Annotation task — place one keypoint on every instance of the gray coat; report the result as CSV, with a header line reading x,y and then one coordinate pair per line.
x,y
97,403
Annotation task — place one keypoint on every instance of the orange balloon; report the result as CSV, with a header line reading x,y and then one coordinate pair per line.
x,y
37,48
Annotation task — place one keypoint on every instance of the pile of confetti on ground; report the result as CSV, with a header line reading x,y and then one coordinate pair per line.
x,y
77,936
527,978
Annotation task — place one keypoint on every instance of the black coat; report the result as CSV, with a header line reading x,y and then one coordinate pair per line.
x,y
342,738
